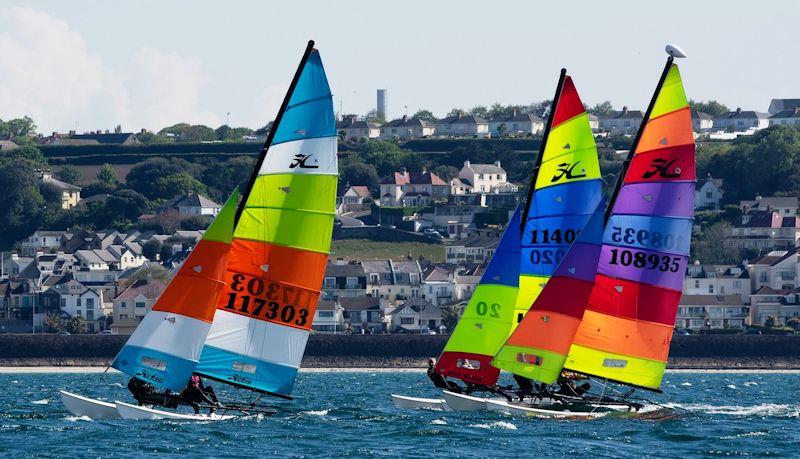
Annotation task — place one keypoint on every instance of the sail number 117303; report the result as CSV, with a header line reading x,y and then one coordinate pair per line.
x,y
266,300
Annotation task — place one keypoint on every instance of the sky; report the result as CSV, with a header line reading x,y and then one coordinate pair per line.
x,y
90,65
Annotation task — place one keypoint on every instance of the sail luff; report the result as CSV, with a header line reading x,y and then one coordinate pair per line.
x,y
627,327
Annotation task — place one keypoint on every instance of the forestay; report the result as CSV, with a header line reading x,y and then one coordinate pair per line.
x,y
165,348
280,246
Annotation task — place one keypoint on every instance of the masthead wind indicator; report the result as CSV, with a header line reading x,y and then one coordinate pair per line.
x,y
675,51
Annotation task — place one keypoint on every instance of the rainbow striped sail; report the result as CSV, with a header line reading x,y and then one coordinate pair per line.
x,y
627,326
561,239
565,191
165,348
280,244
488,317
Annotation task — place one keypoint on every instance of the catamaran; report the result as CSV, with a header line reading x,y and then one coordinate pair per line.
x,y
240,308
565,189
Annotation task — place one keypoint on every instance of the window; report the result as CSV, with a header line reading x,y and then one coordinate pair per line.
x,y
330,282
352,282
709,194
696,284
63,302
89,303
737,284
78,303
90,314
123,304
140,304
326,314
710,288
406,321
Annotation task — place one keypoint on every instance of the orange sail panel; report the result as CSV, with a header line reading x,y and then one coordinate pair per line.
x,y
280,246
627,327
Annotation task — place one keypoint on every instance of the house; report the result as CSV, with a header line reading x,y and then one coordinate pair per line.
x,y
462,125
131,305
701,121
457,219
622,122
523,124
482,178
353,129
741,121
467,278
362,313
403,189
192,204
777,270
78,300
406,128
128,255
708,194
594,122
717,280
779,204
476,248
41,241
711,312
778,105
789,117
393,280
355,198
329,317
781,305
70,194
438,284
416,315
13,264
344,280
108,138
765,231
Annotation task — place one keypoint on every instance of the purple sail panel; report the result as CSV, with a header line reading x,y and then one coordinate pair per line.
x,y
675,199
580,262
660,269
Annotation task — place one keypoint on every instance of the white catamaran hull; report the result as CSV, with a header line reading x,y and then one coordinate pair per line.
x,y
528,410
402,401
89,407
464,402
128,411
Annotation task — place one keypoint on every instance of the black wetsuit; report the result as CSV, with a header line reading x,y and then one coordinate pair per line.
x,y
568,388
146,394
196,393
442,383
525,386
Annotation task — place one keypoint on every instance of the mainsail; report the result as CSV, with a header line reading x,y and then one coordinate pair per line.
x,y
561,239
489,316
564,192
165,348
280,244
627,326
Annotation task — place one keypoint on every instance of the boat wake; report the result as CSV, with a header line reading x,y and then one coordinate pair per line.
x,y
762,410
317,413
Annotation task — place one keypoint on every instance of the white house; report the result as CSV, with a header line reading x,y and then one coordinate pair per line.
x,y
41,240
393,280
476,248
790,117
742,121
194,204
412,189
353,129
416,315
777,270
462,125
438,285
711,312
778,105
481,178
131,305
782,205
621,122
708,194
701,121
78,300
779,304
329,317
406,128
717,280
523,124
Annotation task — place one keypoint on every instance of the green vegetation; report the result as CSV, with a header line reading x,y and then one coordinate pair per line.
x,y
365,249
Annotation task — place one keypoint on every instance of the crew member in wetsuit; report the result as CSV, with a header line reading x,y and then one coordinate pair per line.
x,y
525,386
196,393
440,381
566,386
146,394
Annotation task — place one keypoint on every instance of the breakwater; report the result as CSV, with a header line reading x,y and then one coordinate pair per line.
x,y
696,351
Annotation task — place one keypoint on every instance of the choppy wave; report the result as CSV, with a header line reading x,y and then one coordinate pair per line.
x,y
495,425
764,409
317,412
43,401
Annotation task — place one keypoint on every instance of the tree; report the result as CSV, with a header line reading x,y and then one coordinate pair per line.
x,y
425,115
710,247
76,325
456,112
601,109
360,174
195,222
480,111
770,322
70,174
152,271
22,203
150,177
450,316
374,117
107,174
190,133
793,322
52,323
50,193
20,127
166,252
445,172
30,153
712,107
151,248
175,184
126,205
222,178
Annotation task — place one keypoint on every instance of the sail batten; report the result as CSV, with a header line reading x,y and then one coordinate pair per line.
x,y
627,327
280,244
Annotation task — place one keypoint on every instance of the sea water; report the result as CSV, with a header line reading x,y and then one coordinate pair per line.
x,y
341,412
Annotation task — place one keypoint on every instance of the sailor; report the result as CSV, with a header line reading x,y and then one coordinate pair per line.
x,y
525,386
440,381
196,393
146,394
566,383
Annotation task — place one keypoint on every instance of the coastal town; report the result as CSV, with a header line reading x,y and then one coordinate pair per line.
x,y
441,226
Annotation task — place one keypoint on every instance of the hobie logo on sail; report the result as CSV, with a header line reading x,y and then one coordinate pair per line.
x,y
661,167
565,171
300,161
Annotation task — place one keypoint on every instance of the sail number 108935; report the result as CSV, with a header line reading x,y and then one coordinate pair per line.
x,y
262,299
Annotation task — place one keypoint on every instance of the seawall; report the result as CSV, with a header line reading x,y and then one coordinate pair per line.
x,y
697,351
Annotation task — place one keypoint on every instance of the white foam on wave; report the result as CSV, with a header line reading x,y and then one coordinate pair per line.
x,y
744,435
317,412
730,386
439,422
764,409
43,401
687,384
78,418
496,424
750,383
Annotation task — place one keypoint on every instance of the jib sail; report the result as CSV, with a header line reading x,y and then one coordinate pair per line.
x,y
280,244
